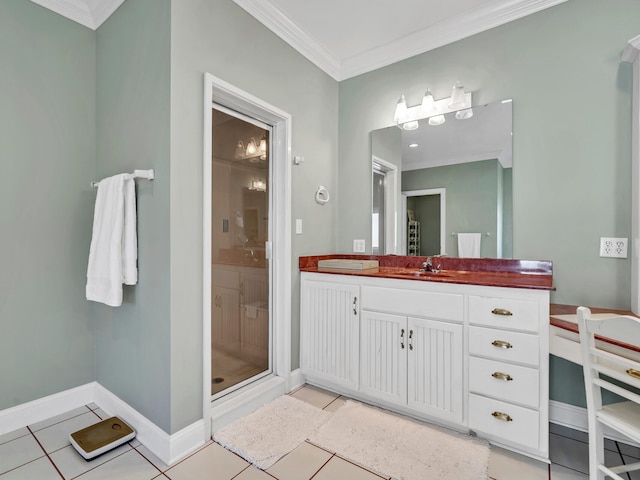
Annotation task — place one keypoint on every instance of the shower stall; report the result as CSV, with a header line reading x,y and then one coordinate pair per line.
x,y
240,269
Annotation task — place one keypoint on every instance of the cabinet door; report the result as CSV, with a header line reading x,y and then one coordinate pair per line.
x,y
383,356
225,317
435,368
329,316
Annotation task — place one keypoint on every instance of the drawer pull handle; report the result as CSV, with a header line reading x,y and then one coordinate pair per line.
x,y
355,305
501,344
410,339
502,416
501,311
634,373
402,338
502,376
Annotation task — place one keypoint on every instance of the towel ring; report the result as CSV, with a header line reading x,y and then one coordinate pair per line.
x,y
322,195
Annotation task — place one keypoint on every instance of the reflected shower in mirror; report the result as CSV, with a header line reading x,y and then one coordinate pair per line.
x,y
438,181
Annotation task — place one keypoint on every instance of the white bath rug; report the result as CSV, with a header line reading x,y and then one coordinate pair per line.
x,y
406,449
272,431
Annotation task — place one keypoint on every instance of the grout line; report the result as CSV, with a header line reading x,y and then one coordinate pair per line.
x,y
622,458
142,455
323,465
46,454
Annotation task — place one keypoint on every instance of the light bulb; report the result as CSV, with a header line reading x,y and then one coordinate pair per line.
x,y
401,110
428,104
457,97
437,120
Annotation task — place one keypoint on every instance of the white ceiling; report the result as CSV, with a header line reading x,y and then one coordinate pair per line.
x,y
346,38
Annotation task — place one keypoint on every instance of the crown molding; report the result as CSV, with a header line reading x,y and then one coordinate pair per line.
x,y
442,34
90,13
419,42
270,16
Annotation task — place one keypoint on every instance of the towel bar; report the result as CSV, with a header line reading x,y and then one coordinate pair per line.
x,y
146,174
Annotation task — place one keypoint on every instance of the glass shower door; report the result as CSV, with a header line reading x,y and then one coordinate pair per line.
x,y
240,318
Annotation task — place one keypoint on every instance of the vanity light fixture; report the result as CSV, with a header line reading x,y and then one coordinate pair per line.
x,y
457,97
258,185
434,110
464,114
252,151
428,106
401,110
436,120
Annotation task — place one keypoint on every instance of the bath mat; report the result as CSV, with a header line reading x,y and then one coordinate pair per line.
x,y
406,449
272,431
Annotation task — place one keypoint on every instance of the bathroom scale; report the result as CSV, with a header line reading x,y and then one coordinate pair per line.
x,y
101,437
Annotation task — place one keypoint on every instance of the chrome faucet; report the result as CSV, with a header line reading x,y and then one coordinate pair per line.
x,y
427,266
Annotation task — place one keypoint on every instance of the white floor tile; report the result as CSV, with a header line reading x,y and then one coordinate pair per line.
x,y
301,463
18,452
337,468
59,418
42,469
506,465
559,472
71,464
7,437
336,404
56,436
148,454
128,466
252,473
315,396
205,462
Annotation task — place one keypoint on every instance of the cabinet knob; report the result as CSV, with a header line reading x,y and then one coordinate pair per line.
x,y
502,416
502,376
501,311
501,344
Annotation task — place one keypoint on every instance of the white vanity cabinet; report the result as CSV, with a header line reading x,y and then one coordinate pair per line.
x,y
329,311
413,357
508,371
468,356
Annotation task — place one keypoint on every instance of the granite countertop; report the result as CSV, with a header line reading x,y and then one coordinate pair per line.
x,y
529,274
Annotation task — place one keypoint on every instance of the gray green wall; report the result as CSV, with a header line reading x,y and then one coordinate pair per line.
x,y
571,132
572,136
132,132
47,153
471,199
218,37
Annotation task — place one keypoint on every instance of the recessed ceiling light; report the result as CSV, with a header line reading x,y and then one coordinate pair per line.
x,y
413,145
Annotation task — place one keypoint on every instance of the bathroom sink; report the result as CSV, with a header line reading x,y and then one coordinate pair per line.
x,y
425,273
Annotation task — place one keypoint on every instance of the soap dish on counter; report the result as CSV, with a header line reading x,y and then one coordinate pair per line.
x,y
348,264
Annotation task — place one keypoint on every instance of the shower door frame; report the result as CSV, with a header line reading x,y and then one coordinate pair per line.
x,y
217,91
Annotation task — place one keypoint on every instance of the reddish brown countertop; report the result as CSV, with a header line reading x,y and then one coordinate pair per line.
x,y
556,309
530,274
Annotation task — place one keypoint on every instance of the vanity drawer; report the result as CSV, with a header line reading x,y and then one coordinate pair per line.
x,y
444,306
505,345
504,313
512,383
507,422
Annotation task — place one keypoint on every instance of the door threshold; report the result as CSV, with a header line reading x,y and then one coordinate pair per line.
x,y
246,400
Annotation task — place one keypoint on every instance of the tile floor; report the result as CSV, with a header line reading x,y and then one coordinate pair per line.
x,y
42,452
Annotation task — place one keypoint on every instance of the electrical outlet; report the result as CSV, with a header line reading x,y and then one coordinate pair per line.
x,y
358,246
613,247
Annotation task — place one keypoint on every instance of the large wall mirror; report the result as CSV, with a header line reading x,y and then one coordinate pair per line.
x,y
442,179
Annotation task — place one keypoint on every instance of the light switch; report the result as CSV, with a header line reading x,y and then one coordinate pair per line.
x,y
298,226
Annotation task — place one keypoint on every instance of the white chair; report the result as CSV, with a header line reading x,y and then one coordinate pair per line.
x,y
600,367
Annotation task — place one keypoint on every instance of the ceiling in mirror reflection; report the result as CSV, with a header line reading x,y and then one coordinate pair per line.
x,y
487,134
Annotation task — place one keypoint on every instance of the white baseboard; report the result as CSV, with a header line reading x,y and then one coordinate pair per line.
x,y
46,407
576,418
296,380
168,448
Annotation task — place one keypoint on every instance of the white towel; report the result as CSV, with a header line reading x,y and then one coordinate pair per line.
x,y
113,251
469,245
